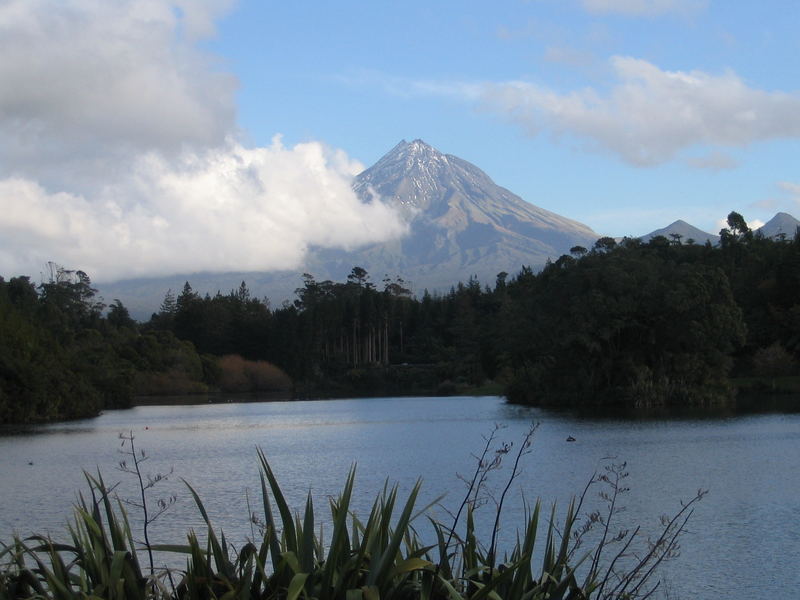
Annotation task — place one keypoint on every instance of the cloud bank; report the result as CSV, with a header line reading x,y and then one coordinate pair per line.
x,y
651,115
89,78
119,153
227,209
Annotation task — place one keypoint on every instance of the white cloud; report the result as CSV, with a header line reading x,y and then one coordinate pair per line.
x,y
119,151
644,8
227,209
98,78
650,115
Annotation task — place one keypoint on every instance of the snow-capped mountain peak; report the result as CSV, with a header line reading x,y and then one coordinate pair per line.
x,y
461,223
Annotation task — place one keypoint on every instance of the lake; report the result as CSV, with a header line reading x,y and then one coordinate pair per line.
x,y
741,544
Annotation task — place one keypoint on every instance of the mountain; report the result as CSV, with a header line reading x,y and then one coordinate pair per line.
x,y
781,224
685,230
461,224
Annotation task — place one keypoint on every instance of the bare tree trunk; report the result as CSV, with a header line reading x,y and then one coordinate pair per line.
x,y
355,343
386,340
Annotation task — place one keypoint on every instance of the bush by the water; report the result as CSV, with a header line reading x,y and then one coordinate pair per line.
x,y
236,374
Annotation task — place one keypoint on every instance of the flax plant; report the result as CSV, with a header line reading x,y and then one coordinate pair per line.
x,y
380,558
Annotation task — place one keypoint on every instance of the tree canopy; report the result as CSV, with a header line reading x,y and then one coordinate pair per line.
x,y
625,322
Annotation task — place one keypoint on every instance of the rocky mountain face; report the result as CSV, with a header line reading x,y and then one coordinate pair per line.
x,y
461,225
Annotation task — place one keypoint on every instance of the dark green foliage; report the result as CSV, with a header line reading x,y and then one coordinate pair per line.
x,y
46,352
118,316
166,365
61,359
225,324
625,322
625,325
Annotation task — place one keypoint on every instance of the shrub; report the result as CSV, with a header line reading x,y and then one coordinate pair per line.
x,y
170,383
237,374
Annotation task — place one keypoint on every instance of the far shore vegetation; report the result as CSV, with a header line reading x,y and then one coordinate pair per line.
x,y
664,323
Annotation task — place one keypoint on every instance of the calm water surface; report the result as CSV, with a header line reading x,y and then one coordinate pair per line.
x,y
743,539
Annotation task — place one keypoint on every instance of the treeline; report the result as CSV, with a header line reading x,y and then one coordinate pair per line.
x,y
657,323
65,355
662,322
334,338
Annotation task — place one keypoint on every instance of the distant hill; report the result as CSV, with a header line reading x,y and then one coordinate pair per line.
x,y
781,224
685,230
461,224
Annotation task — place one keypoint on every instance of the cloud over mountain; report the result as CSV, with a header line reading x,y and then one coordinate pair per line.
x,y
226,209
119,152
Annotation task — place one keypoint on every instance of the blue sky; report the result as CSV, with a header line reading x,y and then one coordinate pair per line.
x,y
139,137
352,73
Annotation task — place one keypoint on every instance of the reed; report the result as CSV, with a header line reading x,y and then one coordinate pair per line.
x,y
381,557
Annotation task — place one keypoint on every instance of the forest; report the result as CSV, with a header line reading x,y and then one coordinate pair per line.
x,y
661,323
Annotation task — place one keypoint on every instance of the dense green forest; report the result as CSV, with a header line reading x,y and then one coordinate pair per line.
x,y
65,355
665,322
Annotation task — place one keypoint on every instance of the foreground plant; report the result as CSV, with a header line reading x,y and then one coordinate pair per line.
x,y
380,558
145,483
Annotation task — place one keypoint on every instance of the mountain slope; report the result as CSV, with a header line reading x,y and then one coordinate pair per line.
x,y
451,194
461,223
